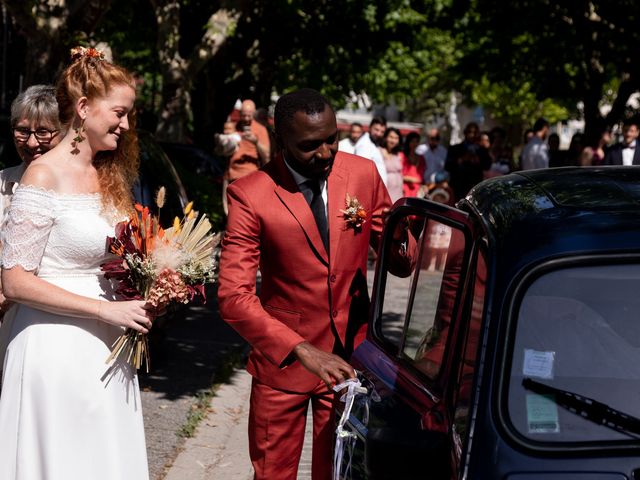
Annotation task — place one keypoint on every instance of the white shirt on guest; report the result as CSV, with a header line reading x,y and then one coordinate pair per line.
x,y
346,145
627,153
535,154
367,149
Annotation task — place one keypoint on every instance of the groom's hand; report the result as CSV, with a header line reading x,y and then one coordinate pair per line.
x,y
331,369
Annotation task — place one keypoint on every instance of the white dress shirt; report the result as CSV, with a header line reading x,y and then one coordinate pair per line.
x,y
367,149
346,145
627,153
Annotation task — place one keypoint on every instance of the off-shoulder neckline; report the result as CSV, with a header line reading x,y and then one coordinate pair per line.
x,y
54,193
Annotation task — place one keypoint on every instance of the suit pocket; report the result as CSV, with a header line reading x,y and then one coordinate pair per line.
x,y
290,318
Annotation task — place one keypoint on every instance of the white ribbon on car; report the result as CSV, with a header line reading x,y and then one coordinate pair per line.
x,y
345,440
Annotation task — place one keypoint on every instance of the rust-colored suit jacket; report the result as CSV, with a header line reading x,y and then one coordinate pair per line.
x,y
307,293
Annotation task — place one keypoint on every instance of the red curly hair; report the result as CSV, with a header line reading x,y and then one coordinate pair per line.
x,y
91,77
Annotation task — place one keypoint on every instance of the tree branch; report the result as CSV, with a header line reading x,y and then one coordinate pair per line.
x,y
221,25
168,21
21,13
627,88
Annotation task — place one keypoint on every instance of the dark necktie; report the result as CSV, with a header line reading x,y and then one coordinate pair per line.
x,y
313,195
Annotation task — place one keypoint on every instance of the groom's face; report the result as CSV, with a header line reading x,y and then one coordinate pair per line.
x,y
310,143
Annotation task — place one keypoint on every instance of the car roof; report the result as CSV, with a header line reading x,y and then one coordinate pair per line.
x,y
539,213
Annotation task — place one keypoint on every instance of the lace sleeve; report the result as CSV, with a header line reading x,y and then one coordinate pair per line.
x,y
26,227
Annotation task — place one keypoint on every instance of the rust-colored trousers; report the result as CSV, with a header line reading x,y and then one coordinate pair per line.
x,y
276,431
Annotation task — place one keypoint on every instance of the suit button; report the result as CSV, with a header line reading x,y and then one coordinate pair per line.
x,y
332,278
334,313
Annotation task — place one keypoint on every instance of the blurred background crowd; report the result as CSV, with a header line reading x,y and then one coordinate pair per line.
x,y
461,84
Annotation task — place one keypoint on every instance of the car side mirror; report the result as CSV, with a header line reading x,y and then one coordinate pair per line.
x,y
393,453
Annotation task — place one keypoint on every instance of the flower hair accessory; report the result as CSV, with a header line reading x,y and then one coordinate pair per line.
x,y
354,214
78,52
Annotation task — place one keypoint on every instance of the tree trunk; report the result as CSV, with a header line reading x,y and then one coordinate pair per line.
x,y
178,73
47,26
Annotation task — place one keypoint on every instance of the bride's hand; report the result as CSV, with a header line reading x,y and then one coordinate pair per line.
x,y
128,314
155,311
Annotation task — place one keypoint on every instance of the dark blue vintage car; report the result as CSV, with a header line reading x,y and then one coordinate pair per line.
x,y
512,351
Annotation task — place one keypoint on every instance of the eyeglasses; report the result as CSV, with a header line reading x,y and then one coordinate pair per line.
x,y
42,135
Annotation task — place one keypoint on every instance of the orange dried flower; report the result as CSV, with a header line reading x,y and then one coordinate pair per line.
x,y
354,215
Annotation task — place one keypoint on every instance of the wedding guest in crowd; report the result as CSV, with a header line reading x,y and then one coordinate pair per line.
x,y
526,136
254,149
63,413
348,144
439,190
500,153
536,152
413,166
251,152
466,162
484,140
435,155
596,150
557,157
574,153
225,145
625,153
391,150
262,117
36,130
367,145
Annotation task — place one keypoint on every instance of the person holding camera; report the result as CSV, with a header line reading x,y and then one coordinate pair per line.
x,y
254,148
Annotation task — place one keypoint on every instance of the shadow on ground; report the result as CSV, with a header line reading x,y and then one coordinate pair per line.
x,y
188,348
191,349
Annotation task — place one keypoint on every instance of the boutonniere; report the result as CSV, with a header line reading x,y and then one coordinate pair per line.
x,y
354,214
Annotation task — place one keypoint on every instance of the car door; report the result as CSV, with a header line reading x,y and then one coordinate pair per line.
x,y
403,427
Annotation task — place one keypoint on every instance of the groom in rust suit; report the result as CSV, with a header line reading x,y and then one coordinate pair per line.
x,y
313,305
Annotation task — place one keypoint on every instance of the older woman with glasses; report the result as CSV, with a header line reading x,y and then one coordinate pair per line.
x,y
36,130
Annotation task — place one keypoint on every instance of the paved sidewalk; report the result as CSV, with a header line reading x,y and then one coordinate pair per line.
x,y
220,448
194,351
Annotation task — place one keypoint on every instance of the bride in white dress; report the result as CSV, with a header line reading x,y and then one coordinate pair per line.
x,y
63,414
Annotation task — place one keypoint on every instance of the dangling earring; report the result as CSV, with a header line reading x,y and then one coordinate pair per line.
x,y
79,131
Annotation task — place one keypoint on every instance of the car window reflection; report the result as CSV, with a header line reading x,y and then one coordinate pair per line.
x,y
417,309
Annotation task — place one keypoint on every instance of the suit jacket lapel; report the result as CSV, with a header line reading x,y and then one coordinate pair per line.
x,y
337,192
636,154
292,198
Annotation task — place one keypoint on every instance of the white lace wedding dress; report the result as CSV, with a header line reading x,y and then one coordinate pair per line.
x,y
63,414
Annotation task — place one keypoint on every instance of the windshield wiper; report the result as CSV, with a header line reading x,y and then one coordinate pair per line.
x,y
588,408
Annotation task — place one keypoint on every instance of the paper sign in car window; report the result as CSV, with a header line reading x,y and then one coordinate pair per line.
x,y
542,414
538,364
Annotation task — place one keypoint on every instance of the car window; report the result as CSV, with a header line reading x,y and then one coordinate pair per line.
x,y
577,341
469,357
417,309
